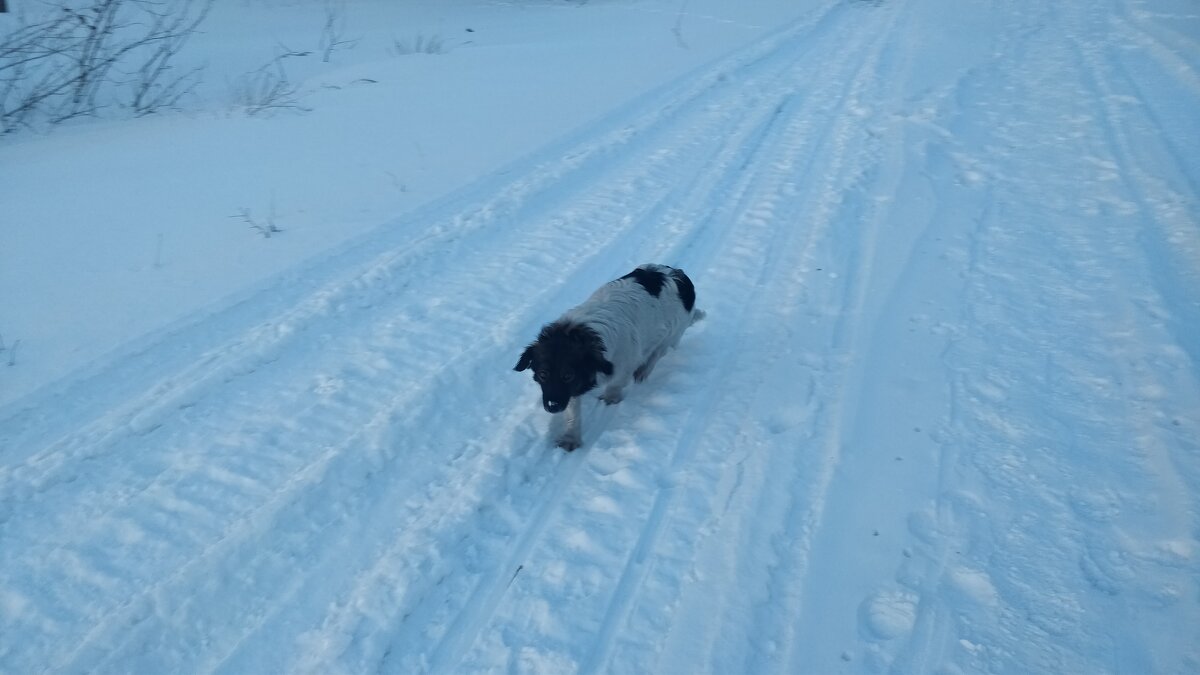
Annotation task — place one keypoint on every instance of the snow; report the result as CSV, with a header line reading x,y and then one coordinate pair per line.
x,y
942,416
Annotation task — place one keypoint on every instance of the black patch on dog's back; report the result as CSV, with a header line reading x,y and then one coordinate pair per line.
x,y
687,291
651,280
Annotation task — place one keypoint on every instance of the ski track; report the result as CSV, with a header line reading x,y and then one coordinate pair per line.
x,y
358,483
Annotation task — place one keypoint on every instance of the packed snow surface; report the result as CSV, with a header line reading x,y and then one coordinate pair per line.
x,y
943,415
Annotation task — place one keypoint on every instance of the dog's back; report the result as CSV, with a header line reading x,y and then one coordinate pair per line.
x,y
643,312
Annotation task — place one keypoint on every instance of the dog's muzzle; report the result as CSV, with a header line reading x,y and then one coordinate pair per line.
x,y
554,406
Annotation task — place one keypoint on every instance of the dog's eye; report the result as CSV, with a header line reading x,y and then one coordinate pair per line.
x,y
539,376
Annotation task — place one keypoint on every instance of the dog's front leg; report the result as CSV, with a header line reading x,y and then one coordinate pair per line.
x,y
572,435
614,393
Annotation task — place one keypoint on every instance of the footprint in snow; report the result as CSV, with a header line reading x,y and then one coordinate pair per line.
x,y
887,615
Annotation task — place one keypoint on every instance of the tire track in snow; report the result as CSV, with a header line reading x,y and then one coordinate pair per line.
x,y
848,243
1145,98
1177,53
1171,224
500,579
915,622
1168,60
932,570
751,255
778,287
1162,177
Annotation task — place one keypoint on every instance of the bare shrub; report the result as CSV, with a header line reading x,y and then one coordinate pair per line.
x,y
268,89
77,57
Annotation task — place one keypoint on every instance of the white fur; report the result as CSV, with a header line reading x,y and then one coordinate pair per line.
x,y
637,329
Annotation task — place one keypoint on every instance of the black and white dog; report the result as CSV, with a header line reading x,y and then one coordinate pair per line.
x,y
615,336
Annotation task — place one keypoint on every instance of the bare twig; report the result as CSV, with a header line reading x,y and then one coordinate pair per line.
x,y
400,185
677,29
333,31
158,252
264,227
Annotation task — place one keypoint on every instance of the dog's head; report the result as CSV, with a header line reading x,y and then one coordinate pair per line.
x,y
566,359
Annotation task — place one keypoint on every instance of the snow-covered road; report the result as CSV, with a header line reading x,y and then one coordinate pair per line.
x,y
943,415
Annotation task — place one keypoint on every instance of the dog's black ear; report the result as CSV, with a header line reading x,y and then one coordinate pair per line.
x,y
526,359
604,365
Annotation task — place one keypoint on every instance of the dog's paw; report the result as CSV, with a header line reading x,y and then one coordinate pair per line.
x,y
642,372
569,441
612,396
